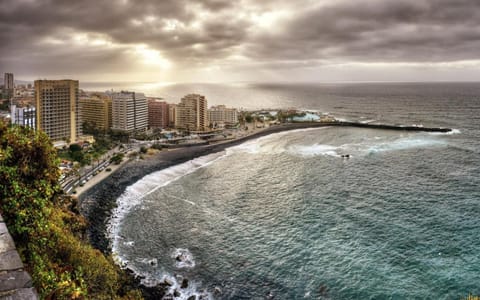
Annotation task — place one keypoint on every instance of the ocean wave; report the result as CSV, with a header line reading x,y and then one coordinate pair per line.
x,y
313,150
267,144
453,131
277,144
134,194
405,143
183,258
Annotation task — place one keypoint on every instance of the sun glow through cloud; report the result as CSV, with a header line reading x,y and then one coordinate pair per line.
x,y
152,57
249,40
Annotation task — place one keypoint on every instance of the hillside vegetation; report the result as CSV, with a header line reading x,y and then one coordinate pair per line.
x,y
47,229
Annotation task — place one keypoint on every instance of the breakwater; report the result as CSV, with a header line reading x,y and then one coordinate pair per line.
x,y
300,125
391,127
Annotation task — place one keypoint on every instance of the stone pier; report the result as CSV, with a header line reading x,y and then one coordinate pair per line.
x,y
15,283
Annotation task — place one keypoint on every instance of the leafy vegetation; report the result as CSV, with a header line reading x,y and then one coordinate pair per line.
x,y
4,105
143,149
117,158
48,232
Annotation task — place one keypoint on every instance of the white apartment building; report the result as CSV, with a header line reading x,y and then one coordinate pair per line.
x,y
23,116
129,112
222,115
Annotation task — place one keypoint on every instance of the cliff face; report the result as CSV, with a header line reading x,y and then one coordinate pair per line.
x,y
15,283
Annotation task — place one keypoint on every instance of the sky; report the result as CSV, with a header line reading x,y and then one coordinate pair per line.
x,y
243,40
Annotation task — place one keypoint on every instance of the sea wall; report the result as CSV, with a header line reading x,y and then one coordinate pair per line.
x,y
15,283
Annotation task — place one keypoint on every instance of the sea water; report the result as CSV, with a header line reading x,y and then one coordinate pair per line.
x,y
287,217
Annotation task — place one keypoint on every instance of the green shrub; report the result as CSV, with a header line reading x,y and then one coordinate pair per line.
x,y
47,231
117,158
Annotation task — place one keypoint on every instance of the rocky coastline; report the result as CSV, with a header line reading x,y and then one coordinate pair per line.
x,y
97,203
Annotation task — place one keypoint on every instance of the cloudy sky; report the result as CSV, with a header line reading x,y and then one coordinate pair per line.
x,y
243,40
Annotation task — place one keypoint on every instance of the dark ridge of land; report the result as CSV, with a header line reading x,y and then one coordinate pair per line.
x,y
391,127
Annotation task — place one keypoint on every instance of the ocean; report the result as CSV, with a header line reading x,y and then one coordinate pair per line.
x,y
286,217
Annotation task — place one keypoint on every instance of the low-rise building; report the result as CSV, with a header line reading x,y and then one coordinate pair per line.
x,y
222,115
23,116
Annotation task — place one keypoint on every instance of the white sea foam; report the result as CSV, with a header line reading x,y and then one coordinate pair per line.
x,y
365,147
275,144
405,143
183,258
193,288
134,194
313,150
267,144
453,131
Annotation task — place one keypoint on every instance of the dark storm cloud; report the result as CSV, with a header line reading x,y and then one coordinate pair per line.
x,y
200,32
407,31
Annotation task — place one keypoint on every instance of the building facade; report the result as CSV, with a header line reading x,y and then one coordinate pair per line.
x,y
129,112
157,114
23,116
222,115
191,113
96,111
57,109
8,85
172,113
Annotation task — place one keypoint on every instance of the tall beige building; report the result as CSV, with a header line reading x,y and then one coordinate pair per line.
x,y
96,111
192,113
57,111
129,112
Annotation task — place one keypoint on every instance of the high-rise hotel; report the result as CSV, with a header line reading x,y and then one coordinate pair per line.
x,y
191,113
57,112
157,113
129,112
96,110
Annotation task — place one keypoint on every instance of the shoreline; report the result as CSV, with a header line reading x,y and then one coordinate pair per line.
x,y
97,200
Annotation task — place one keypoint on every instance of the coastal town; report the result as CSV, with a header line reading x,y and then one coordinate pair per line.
x,y
95,132
106,141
